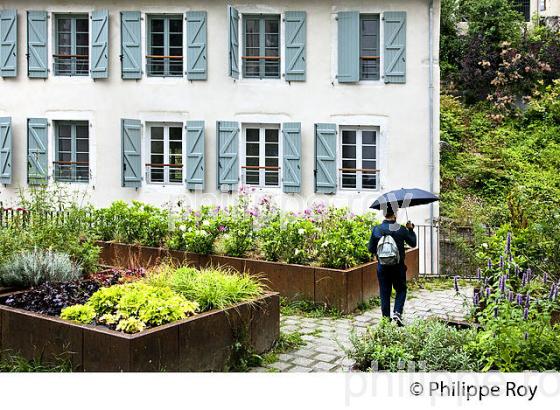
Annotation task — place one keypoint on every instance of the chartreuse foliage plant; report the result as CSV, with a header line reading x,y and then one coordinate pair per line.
x,y
132,307
209,288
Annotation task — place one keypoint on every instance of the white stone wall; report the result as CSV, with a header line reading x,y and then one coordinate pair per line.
x,y
400,111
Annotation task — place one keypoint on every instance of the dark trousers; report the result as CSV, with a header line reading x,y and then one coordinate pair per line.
x,y
392,277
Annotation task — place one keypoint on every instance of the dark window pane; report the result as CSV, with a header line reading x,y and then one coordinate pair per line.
x,y
349,164
175,134
271,178
368,137
271,26
175,175
271,135
175,147
157,25
157,133
157,147
156,174
369,181
82,145
175,40
368,152
84,157
156,159
82,131
64,39
348,137
252,177
82,40
176,26
251,26
348,151
252,149
271,162
64,131
252,134
369,164
157,40
64,24
64,156
82,25
252,161
271,40
348,181
64,144
271,150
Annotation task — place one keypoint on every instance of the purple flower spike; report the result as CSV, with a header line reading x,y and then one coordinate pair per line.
x,y
516,270
488,292
501,262
529,275
456,283
524,280
511,296
508,244
545,278
519,299
502,284
478,273
526,336
489,263
552,291
527,301
526,313
476,299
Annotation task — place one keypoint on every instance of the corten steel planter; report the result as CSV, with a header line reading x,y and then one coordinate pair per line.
x,y
343,289
201,343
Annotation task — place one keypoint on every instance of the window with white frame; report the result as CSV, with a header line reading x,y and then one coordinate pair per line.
x,y
261,162
369,46
71,57
261,50
359,159
71,151
165,153
165,46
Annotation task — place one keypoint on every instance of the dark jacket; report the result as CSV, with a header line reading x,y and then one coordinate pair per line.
x,y
400,234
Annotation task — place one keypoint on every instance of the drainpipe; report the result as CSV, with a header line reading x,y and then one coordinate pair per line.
x,y
431,124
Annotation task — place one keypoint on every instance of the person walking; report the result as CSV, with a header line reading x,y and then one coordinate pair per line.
x,y
387,242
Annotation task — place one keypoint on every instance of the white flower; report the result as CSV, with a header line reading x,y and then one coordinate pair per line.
x,y
297,252
182,228
325,244
301,231
206,222
485,245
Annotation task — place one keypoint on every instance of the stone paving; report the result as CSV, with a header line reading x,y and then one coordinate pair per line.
x,y
327,338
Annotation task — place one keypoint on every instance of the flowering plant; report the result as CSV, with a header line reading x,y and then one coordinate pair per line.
x,y
196,231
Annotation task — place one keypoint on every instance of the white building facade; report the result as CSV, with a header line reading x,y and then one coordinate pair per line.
x,y
333,101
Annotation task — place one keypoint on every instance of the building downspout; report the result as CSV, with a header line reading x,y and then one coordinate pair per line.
x,y
431,126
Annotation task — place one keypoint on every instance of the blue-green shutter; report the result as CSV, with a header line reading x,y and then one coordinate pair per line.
x,y
131,136
395,46
197,41
37,151
5,150
296,38
325,158
233,25
348,47
8,43
195,155
37,41
100,44
228,155
291,173
131,45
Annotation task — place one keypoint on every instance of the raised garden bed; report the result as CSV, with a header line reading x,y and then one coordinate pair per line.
x,y
200,343
343,289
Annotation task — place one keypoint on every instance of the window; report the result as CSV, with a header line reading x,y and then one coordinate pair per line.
x,y
261,167
369,47
359,159
524,7
166,154
165,46
261,57
71,56
71,151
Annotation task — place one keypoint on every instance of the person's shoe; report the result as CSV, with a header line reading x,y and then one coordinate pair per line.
x,y
398,320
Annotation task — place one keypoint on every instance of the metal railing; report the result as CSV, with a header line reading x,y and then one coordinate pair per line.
x,y
68,171
164,66
164,173
71,64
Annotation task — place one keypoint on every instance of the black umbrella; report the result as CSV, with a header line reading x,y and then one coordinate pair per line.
x,y
404,198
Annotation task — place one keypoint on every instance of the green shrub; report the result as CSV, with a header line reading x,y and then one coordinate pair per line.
x,y
38,266
210,288
79,313
428,345
136,223
196,231
134,306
